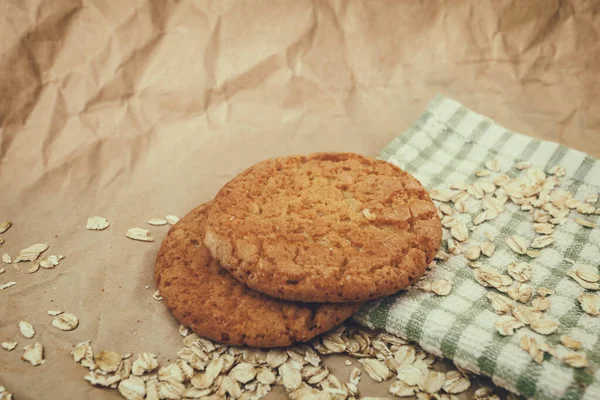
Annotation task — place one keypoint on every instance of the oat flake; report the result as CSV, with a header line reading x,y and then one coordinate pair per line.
x,y
31,253
4,225
140,234
569,342
107,361
26,329
172,219
96,223
34,354
65,322
575,359
517,243
506,325
8,346
544,326
590,303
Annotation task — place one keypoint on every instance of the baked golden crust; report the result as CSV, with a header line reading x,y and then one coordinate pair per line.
x,y
328,227
205,297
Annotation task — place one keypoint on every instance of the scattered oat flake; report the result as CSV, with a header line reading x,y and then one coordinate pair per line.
x,y
493,165
133,388
445,209
184,330
6,259
500,304
517,243
35,266
585,223
443,195
487,276
34,354
26,329
473,252
501,180
542,241
146,362
31,253
96,223
449,221
590,303
475,191
480,218
156,295
459,232
405,356
4,225
526,314
530,345
582,282
47,264
544,326
522,292
592,198
543,228
540,303
558,170
54,313
442,255
2,271
454,247
8,346
140,234
456,382
411,374
65,322
107,361
290,375
401,389
587,273
533,253
178,371
585,208
488,248
575,359
84,354
157,221
544,291
348,363
377,370
441,287
98,379
461,206
432,382
519,271
243,372
514,189
569,342
205,379
521,165
172,219
506,325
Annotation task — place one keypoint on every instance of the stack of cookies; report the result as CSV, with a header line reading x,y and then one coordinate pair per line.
x,y
290,247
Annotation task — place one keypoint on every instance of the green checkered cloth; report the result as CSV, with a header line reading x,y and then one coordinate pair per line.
x,y
447,145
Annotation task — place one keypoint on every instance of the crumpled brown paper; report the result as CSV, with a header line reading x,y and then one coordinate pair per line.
x,y
134,110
